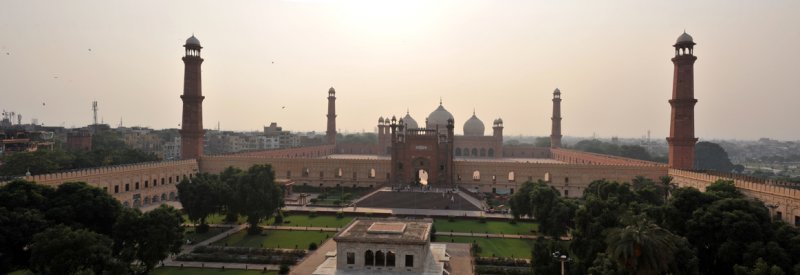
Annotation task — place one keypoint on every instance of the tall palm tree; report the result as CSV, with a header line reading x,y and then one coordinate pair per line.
x,y
666,181
642,246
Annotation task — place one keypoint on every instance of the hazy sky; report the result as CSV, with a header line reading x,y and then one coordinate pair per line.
x,y
611,60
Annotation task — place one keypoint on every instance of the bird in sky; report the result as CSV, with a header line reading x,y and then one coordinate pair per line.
x,y
284,107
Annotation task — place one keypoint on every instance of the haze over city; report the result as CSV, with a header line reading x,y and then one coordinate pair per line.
x,y
502,59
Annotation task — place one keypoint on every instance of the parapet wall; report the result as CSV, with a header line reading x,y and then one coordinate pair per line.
x,y
134,185
320,171
578,157
786,199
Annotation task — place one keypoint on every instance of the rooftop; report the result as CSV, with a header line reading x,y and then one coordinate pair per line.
x,y
395,231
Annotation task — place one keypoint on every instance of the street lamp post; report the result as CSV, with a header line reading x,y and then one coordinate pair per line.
x,y
561,258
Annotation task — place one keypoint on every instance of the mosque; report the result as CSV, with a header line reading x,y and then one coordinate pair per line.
x,y
407,153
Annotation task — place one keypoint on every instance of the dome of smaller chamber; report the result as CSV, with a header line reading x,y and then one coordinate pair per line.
x,y
474,126
193,41
410,122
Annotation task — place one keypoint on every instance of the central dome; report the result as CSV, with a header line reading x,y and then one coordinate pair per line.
x,y
439,118
474,126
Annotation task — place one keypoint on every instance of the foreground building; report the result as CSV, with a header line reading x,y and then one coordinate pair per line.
x,y
386,246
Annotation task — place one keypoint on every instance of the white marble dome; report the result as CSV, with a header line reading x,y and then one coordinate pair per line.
x,y
439,117
474,126
193,41
685,37
410,122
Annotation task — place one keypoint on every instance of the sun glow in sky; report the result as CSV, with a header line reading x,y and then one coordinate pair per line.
x,y
611,60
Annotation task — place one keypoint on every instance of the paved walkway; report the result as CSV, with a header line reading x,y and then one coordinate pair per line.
x,y
400,211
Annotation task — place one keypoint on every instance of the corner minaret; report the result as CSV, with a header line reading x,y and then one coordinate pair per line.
x,y
681,130
555,133
330,134
192,124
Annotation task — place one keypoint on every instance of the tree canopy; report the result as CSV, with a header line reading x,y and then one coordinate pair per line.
x,y
77,228
711,156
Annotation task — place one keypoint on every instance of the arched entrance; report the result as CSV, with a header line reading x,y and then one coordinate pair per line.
x,y
422,177
422,169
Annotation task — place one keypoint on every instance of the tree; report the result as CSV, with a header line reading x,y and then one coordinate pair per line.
x,y
546,205
79,205
63,250
17,228
542,142
642,247
142,240
257,194
724,189
761,268
542,257
722,231
200,197
711,156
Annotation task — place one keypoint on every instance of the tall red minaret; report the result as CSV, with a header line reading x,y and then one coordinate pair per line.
x,y
555,133
681,130
192,126
330,134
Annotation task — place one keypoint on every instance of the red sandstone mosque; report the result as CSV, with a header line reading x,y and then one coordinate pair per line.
x,y
408,153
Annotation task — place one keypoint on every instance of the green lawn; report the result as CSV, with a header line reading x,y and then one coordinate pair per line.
x,y
318,221
496,247
206,271
196,238
21,272
492,227
214,219
276,239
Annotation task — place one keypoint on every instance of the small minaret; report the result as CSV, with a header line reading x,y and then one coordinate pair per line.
x,y
555,133
330,134
192,124
681,129
497,129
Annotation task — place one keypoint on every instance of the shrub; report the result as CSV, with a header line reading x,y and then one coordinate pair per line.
x,y
482,219
513,221
339,214
312,214
284,269
450,218
312,246
313,200
278,219
202,228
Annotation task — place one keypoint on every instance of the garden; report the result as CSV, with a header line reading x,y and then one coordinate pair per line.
x,y
275,239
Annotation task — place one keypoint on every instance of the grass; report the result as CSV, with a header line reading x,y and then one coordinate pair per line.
x,y
318,221
276,239
196,238
215,218
21,272
491,227
496,247
206,271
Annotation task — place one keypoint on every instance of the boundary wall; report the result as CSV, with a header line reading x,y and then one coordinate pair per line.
x,y
488,176
786,200
135,185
